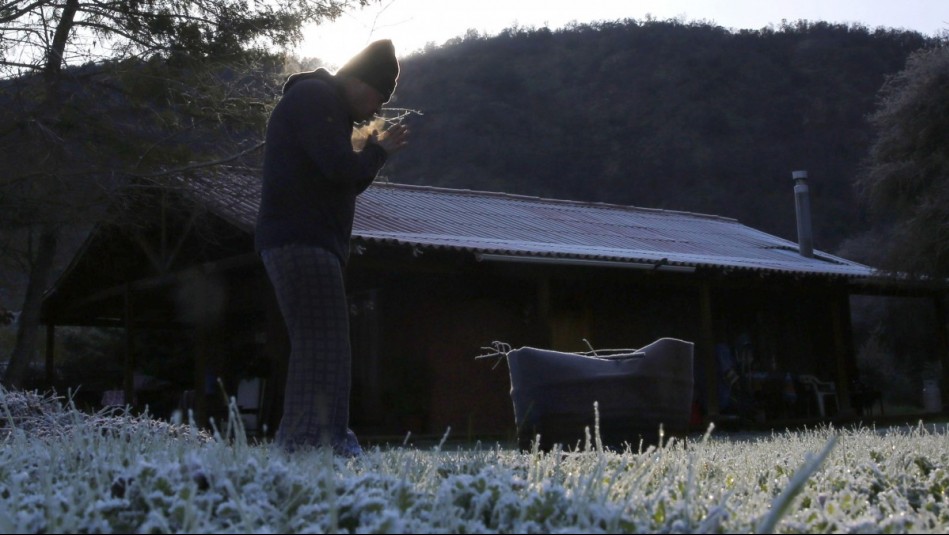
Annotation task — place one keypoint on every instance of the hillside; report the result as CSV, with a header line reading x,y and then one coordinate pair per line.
x,y
655,114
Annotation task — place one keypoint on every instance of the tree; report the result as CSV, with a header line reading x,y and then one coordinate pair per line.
x,y
657,114
907,173
95,92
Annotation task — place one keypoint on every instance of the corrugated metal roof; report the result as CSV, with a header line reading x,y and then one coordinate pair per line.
x,y
515,225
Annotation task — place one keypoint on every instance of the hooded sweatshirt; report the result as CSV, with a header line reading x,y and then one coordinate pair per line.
x,y
312,174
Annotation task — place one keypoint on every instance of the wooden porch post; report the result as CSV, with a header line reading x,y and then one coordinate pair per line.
x,y
50,352
200,374
942,337
706,352
128,376
278,353
543,311
842,351
204,331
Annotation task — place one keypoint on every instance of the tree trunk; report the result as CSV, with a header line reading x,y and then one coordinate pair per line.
x,y
54,58
28,325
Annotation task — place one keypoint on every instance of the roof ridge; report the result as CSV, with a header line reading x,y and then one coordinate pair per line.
x,y
524,197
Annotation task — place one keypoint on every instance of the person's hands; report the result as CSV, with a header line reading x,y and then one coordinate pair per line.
x,y
391,140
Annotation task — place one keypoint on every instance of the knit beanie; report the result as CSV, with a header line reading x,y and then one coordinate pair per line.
x,y
376,65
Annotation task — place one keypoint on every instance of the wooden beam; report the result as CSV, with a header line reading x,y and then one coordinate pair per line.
x,y
896,287
706,352
217,266
170,257
942,337
200,375
160,257
128,375
119,323
545,332
207,327
277,350
153,256
842,350
50,354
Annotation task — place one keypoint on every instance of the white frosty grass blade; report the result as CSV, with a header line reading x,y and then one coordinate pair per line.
x,y
779,507
67,472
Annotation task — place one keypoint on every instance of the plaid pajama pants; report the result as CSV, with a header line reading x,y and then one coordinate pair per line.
x,y
311,293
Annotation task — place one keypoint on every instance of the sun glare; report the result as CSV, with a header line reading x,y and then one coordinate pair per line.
x,y
336,41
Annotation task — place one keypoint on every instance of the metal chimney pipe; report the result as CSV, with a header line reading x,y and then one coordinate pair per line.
x,y
802,203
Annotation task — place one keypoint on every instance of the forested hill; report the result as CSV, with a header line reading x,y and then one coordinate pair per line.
x,y
655,114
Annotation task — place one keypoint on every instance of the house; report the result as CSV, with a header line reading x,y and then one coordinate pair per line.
x,y
436,275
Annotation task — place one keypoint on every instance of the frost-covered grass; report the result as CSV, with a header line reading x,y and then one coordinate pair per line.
x,y
137,477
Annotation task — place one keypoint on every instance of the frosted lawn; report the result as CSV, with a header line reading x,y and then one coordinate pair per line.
x,y
61,471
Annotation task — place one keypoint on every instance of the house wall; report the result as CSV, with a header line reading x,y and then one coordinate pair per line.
x,y
417,331
418,325
428,329
431,329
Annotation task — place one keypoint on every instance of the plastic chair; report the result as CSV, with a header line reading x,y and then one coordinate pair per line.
x,y
824,391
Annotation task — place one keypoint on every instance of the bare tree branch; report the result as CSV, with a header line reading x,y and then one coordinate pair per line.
x,y
21,65
19,12
202,165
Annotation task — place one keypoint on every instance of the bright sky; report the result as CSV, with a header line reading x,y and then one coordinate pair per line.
x,y
411,24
